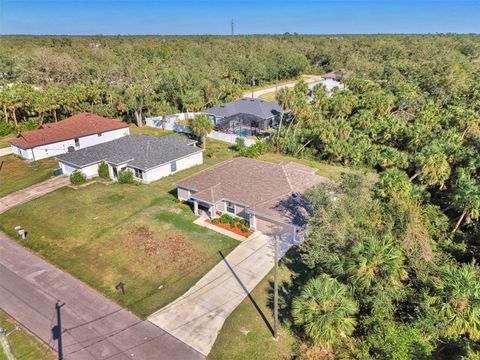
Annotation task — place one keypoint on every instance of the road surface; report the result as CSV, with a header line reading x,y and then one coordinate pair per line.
x,y
311,79
93,327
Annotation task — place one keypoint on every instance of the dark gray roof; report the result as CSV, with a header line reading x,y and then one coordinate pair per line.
x,y
258,107
139,151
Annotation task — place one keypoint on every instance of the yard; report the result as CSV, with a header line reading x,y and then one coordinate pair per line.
x,y
139,235
16,174
247,332
5,140
23,345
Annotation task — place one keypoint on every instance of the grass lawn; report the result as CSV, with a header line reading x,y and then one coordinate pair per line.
x,y
5,140
149,130
16,174
268,96
140,235
233,341
24,346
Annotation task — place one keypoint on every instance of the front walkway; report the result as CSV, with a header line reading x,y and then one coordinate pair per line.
x,y
32,192
197,316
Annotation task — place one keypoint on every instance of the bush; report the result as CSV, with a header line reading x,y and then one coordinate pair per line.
x,y
242,222
103,171
254,151
125,177
6,129
244,230
78,178
240,143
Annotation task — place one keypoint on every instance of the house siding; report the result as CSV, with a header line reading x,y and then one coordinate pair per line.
x,y
183,194
54,149
90,171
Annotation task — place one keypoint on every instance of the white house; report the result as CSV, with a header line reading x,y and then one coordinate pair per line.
x,y
74,133
148,157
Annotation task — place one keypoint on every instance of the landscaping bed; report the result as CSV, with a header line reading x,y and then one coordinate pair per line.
x,y
233,224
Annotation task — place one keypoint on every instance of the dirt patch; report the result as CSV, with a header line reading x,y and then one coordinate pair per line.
x,y
171,248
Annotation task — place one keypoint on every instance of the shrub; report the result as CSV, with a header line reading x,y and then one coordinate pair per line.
x,y
242,222
244,230
254,151
78,178
6,129
103,171
125,177
240,143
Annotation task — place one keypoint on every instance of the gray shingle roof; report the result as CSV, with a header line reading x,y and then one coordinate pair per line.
x,y
258,107
139,151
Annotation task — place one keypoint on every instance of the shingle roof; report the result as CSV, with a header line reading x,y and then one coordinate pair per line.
x,y
257,107
139,151
79,125
263,187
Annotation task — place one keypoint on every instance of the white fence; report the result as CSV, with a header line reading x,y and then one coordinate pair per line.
x,y
229,138
170,122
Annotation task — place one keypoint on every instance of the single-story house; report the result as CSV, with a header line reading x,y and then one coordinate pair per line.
x,y
148,157
269,196
244,117
76,132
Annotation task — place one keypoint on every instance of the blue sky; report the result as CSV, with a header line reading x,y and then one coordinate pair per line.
x,y
111,17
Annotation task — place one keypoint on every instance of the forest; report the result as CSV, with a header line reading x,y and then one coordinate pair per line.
x,y
391,255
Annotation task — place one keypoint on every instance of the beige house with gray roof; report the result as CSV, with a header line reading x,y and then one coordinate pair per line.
x,y
268,195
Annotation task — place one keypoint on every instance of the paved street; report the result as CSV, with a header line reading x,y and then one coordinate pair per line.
x,y
198,315
312,79
93,326
5,151
32,192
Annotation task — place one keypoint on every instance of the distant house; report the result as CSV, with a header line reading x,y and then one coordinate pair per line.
x,y
148,157
269,196
245,116
74,133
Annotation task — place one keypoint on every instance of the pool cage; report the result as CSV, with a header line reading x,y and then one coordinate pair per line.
x,y
243,125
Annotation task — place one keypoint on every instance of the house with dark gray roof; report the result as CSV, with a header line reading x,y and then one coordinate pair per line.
x,y
246,116
148,157
269,196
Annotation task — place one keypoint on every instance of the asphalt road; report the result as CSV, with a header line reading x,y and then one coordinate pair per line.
x,y
93,327
312,79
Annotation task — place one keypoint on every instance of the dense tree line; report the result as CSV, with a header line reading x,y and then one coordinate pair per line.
x,y
391,256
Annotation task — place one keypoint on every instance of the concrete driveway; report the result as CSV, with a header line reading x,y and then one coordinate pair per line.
x,y
93,327
196,317
32,192
6,151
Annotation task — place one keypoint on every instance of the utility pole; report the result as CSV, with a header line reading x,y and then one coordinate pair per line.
x,y
275,292
58,329
232,27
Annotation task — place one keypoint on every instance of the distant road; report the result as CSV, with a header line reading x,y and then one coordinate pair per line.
x,y
311,79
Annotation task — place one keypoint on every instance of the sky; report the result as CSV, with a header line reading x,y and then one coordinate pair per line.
x,y
181,17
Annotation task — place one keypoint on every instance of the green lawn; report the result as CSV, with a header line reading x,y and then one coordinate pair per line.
x,y
258,344
24,346
16,174
140,235
149,130
269,96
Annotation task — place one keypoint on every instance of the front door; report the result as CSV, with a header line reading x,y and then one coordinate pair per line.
x,y
115,173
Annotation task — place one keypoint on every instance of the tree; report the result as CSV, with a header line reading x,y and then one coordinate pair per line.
x,y
458,301
466,197
201,125
325,309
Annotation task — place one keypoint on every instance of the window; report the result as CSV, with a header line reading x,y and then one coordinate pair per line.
x,y
230,207
99,134
138,173
77,142
173,166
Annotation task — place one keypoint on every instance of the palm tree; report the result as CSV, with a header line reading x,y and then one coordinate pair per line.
x,y
458,297
371,263
201,125
466,197
325,310
285,98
